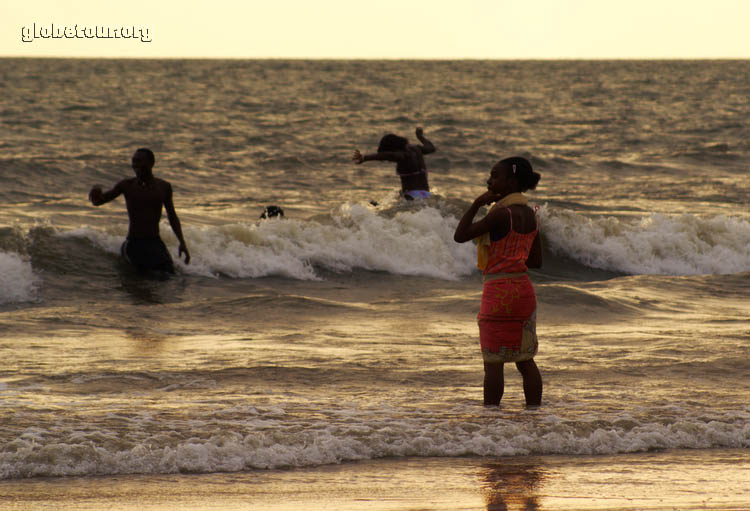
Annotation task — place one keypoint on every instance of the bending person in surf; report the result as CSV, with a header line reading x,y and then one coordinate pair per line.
x,y
508,244
144,197
409,158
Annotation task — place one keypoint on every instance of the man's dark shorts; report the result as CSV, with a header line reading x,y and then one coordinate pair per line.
x,y
147,254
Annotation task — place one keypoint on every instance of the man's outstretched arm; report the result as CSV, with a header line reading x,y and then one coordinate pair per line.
x,y
98,197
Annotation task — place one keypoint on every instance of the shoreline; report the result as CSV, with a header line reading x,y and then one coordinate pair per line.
x,y
682,479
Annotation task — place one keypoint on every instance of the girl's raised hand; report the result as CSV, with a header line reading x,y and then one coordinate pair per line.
x,y
487,197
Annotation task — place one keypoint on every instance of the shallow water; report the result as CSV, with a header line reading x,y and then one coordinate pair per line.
x,y
347,331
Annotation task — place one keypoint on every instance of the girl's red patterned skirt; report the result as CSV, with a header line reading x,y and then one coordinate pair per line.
x,y
507,319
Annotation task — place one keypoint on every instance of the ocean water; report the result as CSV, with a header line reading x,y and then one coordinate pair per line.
x,y
347,330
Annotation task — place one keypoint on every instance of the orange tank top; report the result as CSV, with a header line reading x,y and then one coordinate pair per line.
x,y
509,253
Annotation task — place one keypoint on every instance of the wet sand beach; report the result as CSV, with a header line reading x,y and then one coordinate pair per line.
x,y
680,480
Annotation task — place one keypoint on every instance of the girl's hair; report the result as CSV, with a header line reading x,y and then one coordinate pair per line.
x,y
392,142
521,168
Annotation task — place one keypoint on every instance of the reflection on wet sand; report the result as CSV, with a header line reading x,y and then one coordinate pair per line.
x,y
512,484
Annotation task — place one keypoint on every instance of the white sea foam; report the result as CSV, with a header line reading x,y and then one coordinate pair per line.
x,y
267,443
420,242
18,282
411,243
107,241
655,244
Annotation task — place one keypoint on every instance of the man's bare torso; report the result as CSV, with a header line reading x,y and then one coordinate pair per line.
x,y
144,202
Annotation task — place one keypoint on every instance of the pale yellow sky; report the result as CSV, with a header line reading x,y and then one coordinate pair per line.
x,y
474,29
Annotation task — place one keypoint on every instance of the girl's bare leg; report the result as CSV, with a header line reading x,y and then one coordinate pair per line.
x,y
494,383
532,382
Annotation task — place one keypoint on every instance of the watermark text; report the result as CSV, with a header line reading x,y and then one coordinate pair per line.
x,y
53,31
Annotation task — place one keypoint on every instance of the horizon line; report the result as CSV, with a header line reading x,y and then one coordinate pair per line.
x,y
182,57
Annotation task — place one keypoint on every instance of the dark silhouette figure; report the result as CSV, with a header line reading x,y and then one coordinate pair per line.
x,y
409,158
144,197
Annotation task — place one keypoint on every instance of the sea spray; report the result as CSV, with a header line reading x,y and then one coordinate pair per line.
x,y
654,244
18,282
416,243
420,243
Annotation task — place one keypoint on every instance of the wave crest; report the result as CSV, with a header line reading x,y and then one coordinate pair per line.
x,y
656,244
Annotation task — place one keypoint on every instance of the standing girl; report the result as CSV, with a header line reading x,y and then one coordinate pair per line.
x,y
508,245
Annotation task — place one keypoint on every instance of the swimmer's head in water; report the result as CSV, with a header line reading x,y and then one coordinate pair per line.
x,y
143,162
392,142
272,211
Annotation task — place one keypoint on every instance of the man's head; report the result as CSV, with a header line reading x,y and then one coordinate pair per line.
x,y
142,162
